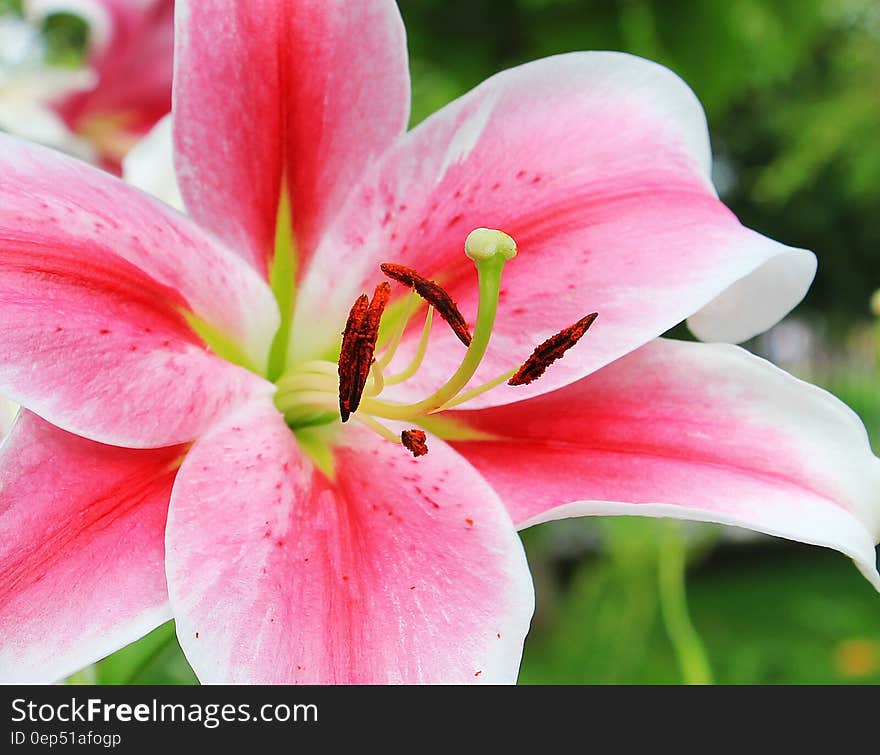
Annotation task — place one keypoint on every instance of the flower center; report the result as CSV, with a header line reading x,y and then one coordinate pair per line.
x,y
319,392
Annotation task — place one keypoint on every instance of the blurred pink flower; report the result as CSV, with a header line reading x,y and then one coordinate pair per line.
x,y
181,454
99,111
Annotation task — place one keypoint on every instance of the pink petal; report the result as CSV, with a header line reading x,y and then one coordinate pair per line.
x,y
134,67
81,549
270,93
398,571
691,431
598,165
94,278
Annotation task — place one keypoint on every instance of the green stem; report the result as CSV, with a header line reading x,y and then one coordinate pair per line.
x,y
689,650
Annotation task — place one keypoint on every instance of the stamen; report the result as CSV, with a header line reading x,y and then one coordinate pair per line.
x,y
414,441
320,366
307,395
489,269
377,427
467,395
413,367
409,308
303,407
358,346
377,381
432,293
551,350
306,381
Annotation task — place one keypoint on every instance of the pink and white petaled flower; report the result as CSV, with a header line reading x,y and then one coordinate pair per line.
x,y
99,111
181,453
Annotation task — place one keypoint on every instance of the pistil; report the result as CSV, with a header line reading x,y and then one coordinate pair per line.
x,y
489,250
319,392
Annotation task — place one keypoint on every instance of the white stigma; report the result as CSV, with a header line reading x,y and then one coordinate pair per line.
x,y
485,243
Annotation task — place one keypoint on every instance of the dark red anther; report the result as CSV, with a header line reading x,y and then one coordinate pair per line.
x,y
551,350
358,346
414,441
432,293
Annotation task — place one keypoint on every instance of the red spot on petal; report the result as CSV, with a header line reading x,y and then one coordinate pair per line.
x,y
478,673
470,522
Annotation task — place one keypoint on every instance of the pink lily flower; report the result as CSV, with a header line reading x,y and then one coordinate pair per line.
x,y
124,87
181,452
134,69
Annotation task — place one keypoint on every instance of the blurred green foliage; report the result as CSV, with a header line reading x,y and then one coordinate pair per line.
x,y
790,89
64,34
12,6
768,613
66,38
